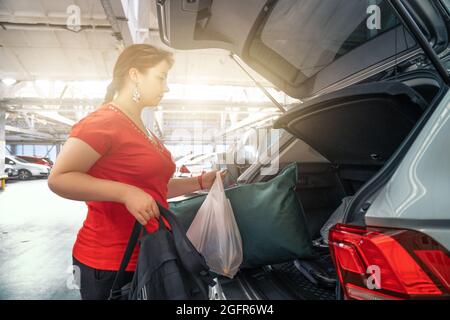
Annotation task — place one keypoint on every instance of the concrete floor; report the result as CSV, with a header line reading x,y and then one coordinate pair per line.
x,y
37,232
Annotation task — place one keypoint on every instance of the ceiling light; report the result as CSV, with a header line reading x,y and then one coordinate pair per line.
x,y
9,81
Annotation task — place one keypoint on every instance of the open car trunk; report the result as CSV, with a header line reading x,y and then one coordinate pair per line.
x,y
357,129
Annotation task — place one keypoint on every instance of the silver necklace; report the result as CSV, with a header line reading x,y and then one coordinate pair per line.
x,y
149,135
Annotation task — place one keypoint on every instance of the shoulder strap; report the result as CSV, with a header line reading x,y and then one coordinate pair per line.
x,y
126,257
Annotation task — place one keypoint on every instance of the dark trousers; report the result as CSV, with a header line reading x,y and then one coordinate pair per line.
x,y
96,284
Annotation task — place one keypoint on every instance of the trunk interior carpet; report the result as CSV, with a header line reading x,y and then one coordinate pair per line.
x,y
299,285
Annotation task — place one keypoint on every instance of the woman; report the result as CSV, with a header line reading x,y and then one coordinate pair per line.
x,y
120,169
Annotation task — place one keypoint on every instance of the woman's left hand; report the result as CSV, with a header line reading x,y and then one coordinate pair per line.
x,y
209,177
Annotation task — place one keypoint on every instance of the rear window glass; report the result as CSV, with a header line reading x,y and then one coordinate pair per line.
x,y
311,34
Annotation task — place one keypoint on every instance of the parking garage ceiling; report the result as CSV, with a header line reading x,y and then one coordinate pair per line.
x,y
36,45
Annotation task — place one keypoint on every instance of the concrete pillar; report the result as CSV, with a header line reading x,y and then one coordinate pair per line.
x,y
159,121
2,141
148,117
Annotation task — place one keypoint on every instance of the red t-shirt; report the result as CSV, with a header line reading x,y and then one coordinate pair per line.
x,y
127,156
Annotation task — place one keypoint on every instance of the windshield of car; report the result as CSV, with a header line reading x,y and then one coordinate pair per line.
x,y
17,159
309,34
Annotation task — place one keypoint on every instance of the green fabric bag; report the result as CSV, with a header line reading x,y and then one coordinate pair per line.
x,y
270,219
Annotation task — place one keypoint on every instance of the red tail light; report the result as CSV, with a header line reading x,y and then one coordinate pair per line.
x,y
381,263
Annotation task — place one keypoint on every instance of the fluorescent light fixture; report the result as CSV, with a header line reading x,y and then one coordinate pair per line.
x,y
9,81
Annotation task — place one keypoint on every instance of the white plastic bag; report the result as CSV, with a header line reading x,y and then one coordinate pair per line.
x,y
215,234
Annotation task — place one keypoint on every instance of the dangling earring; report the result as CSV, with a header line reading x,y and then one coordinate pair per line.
x,y
136,94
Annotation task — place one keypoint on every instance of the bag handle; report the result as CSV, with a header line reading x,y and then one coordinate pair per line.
x,y
219,182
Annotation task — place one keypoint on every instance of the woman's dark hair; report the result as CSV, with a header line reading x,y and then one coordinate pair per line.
x,y
139,56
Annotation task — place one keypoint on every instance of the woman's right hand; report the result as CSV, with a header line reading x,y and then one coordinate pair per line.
x,y
140,204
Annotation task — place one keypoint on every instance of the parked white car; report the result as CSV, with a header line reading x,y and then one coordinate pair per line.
x,y
26,169
11,171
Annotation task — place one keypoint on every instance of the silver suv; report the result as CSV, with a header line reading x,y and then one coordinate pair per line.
x,y
371,138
